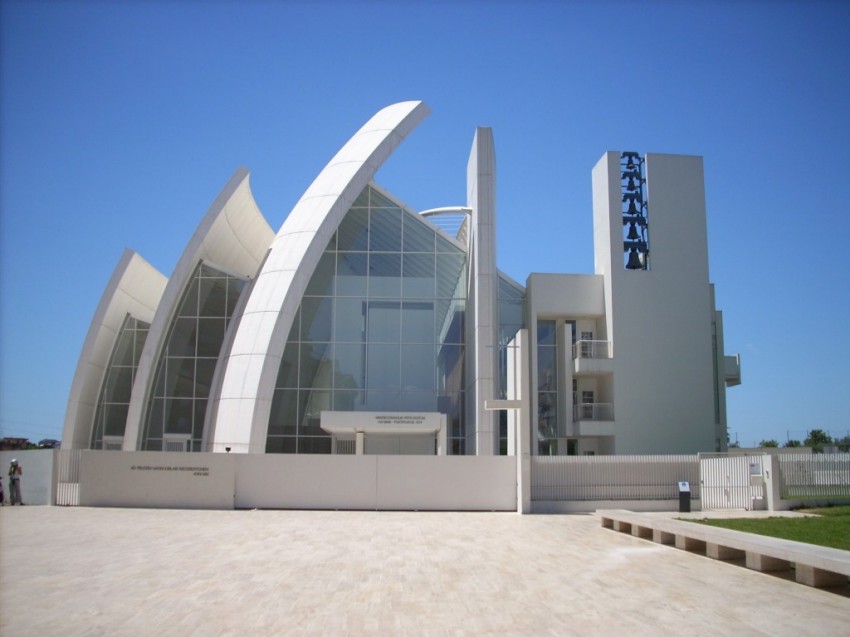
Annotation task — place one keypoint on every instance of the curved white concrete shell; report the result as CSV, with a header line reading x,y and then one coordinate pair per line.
x,y
233,236
135,288
245,400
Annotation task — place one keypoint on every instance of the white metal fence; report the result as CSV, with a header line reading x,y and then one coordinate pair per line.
x,y
344,446
67,477
732,482
570,478
814,475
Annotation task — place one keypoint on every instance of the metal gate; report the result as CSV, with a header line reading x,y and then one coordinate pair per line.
x,y
732,482
67,477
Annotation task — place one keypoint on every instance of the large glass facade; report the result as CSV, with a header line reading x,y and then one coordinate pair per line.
x,y
380,328
114,400
178,403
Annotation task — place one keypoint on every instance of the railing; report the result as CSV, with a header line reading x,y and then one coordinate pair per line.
x,y
593,411
814,475
67,477
592,349
567,478
345,447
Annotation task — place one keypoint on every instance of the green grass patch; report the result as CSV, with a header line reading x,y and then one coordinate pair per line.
x,y
831,527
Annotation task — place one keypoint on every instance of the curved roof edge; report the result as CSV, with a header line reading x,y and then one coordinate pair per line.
x,y
244,404
234,236
135,288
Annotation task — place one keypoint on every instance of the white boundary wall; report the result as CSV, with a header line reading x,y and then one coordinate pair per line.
x,y
37,476
222,481
156,479
574,484
472,483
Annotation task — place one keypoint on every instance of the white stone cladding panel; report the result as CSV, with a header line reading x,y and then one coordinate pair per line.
x,y
483,288
566,295
286,259
254,324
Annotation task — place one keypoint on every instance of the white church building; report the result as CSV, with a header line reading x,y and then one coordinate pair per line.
x,y
364,327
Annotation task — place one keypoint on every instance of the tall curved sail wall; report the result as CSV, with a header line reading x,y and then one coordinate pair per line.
x,y
186,335
134,290
244,405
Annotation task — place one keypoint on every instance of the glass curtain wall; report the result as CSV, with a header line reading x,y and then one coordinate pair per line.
x,y
111,413
380,328
187,363
547,388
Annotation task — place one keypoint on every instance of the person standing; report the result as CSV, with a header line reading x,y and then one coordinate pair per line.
x,y
15,472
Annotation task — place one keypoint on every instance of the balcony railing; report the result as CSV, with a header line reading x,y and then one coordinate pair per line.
x,y
593,411
592,349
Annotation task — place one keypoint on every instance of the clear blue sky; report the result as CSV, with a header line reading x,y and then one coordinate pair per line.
x,y
120,122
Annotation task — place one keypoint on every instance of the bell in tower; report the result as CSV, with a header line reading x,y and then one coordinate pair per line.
x,y
634,262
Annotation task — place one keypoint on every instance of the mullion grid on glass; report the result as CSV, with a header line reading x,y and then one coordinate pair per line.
x,y
193,353
342,394
99,424
107,401
302,395
163,392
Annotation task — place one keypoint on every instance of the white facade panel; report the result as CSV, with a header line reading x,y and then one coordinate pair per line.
x,y
482,311
157,479
566,295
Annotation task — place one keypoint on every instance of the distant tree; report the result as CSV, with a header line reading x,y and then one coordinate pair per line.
x,y
843,444
734,445
817,440
792,443
768,443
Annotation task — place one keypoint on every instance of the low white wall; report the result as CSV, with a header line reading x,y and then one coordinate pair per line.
x,y
275,481
37,476
453,483
279,481
431,483
156,479
371,482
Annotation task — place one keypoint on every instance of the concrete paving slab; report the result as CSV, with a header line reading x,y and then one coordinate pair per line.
x,y
80,571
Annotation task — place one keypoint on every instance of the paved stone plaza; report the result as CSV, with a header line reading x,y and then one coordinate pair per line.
x,y
81,571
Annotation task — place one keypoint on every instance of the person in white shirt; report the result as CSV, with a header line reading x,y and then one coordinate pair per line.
x,y
15,472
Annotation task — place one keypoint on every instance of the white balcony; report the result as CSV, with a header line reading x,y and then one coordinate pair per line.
x,y
592,358
594,419
732,370
593,411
